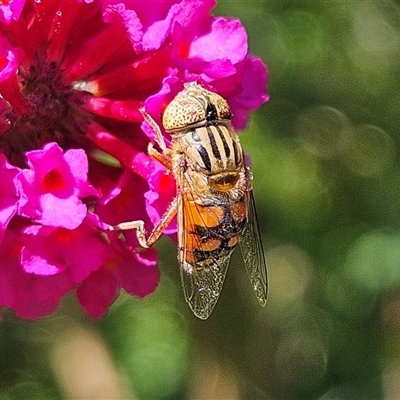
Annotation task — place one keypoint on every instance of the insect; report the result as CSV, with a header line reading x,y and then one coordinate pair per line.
x,y
214,202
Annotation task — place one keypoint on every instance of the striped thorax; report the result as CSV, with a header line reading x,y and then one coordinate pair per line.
x,y
200,124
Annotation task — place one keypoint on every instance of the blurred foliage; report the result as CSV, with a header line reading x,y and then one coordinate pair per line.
x,y
325,157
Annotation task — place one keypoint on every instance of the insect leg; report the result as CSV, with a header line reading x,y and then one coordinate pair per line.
x,y
162,158
163,222
156,129
165,159
165,156
137,225
157,230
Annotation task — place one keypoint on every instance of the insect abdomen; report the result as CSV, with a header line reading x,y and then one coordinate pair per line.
x,y
212,232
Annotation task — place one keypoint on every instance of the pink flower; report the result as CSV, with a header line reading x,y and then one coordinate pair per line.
x,y
52,189
73,148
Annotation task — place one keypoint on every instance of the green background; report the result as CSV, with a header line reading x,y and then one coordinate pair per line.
x,y
324,154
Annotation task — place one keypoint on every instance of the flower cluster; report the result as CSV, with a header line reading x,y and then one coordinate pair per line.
x,y
73,158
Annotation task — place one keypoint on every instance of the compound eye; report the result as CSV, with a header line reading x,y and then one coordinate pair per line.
x,y
183,111
194,105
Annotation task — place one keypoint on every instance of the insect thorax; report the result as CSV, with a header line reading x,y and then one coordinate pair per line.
x,y
213,150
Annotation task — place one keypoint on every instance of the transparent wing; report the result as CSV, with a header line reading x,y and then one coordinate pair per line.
x,y
202,286
253,254
202,271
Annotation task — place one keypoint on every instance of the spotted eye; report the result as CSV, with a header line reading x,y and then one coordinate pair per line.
x,y
195,106
183,111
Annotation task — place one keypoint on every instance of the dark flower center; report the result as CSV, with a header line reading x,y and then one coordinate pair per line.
x,y
54,113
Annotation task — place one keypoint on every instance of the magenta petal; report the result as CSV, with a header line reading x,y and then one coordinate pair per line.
x,y
227,40
193,13
79,167
156,34
28,295
39,264
49,251
97,292
40,255
6,213
11,10
78,163
118,13
64,213
83,249
8,193
158,24
10,59
28,205
11,275
157,31
254,84
52,288
139,276
253,94
29,308
218,69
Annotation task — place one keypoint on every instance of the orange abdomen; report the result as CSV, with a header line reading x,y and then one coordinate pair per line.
x,y
212,231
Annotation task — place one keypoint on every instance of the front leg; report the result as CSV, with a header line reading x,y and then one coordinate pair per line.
x,y
157,230
159,138
165,159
